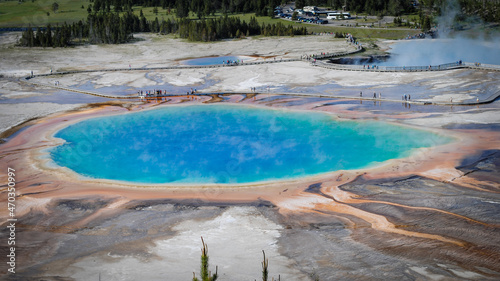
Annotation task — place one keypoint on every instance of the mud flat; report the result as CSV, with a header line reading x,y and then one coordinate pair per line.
x,y
432,215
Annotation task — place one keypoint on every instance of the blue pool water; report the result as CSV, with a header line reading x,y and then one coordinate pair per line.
x,y
441,51
229,144
211,60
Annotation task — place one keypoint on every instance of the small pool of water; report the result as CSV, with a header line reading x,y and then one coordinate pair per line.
x,y
201,144
212,60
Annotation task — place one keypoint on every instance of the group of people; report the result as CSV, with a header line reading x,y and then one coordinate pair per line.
x,y
159,93
151,93
405,97
374,95
309,57
232,62
370,67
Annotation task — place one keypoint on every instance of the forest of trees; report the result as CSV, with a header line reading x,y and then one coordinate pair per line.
x,y
487,11
230,27
202,8
113,21
111,28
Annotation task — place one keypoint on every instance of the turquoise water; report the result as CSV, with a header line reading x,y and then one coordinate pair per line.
x,y
229,144
211,60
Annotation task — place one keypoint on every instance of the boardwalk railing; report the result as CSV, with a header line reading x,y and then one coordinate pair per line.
x,y
482,66
377,68
337,54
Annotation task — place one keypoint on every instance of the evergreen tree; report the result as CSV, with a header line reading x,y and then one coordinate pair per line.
x,y
55,7
48,37
182,10
205,274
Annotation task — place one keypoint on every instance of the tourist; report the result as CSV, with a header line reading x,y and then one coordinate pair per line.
x,y
374,95
409,97
360,94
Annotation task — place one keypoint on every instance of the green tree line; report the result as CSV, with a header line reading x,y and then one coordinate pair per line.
x,y
202,8
232,27
113,28
488,10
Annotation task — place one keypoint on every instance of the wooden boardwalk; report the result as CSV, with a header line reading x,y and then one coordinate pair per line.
x,y
315,60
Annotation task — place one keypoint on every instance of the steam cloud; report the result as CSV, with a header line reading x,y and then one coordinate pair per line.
x,y
471,46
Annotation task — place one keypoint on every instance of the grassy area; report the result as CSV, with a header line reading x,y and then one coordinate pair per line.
x,y
364,21
39,13
34,13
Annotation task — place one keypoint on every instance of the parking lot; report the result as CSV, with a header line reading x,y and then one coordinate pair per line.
x,y
285,12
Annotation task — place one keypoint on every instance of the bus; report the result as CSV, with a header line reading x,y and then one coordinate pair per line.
x,y
338,16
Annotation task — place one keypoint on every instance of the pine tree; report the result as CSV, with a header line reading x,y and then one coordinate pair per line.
x,y
205,274
48,37
265,264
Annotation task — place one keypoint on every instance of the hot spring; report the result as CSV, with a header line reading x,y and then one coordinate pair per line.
x,y
441,51
425,52
200,144
212,60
